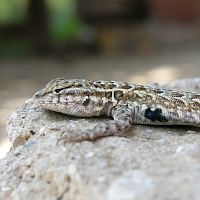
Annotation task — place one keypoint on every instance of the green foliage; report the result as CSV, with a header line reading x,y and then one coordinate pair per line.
x,y
12,11
64,21
14,48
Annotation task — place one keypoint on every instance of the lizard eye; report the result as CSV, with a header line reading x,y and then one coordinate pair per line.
x,y
58,90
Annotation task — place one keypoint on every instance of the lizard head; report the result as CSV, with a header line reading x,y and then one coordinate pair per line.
x,y
73,97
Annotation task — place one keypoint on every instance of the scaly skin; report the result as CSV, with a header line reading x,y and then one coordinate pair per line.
x,y
126,103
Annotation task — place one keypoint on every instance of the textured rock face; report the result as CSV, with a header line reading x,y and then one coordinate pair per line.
x,y
148,163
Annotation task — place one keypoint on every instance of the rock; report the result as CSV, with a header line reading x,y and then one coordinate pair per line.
x,y
133,184
150,164
188,150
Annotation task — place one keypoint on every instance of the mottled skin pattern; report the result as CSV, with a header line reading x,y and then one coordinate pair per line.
x,y
126,103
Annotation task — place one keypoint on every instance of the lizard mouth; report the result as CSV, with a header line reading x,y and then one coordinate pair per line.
x,y
40,102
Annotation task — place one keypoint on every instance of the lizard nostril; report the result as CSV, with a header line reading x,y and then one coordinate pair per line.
x,y
37,95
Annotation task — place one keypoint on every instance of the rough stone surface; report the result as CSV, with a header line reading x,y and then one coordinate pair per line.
x,y
154,163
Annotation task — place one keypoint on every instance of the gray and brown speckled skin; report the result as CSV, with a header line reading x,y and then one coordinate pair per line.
x,y
126,103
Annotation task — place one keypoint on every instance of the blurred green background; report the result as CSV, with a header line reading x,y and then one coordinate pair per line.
x,y
65,26
27,26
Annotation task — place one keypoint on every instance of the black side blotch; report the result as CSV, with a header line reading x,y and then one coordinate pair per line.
x,y
154,114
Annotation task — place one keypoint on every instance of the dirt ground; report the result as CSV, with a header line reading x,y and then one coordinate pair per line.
x,y
21,78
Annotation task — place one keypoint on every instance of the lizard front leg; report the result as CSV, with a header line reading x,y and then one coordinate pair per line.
x,y
122,121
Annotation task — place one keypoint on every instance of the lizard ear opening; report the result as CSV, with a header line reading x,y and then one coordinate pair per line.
x,y
86,102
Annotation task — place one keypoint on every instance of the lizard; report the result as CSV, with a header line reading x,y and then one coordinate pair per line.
x,y
126,103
